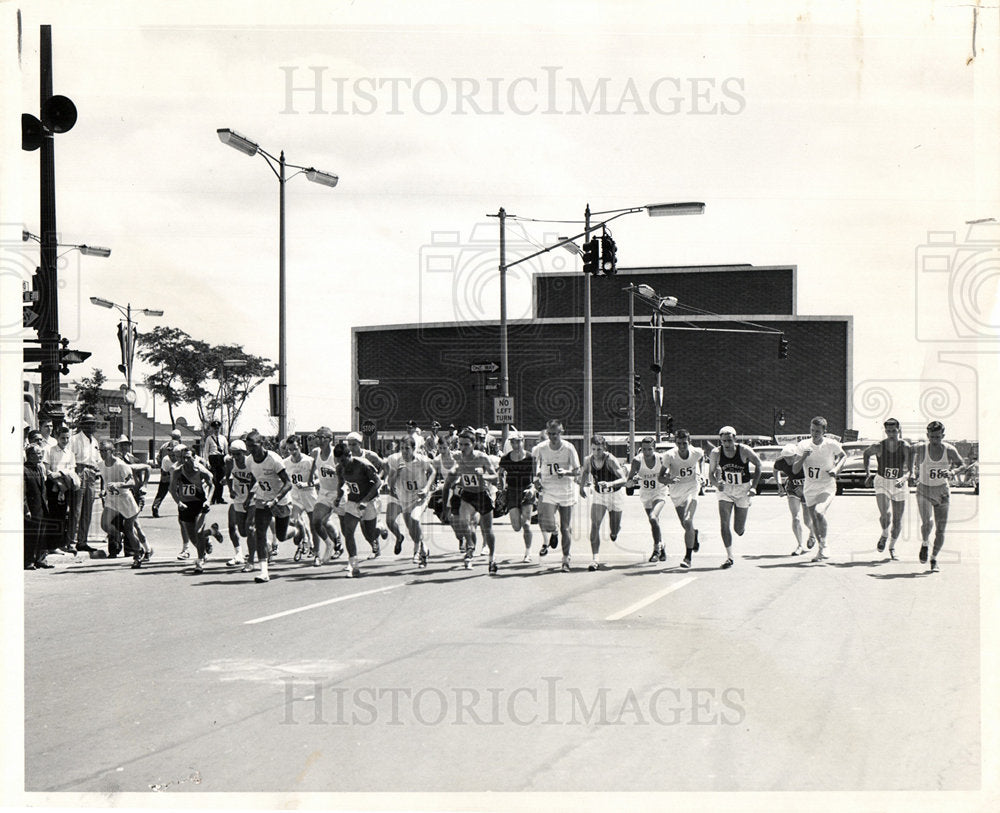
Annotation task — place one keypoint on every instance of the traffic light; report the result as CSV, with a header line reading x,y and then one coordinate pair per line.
x,y
609,255
668,424
782,347
591,256
637,385
35,303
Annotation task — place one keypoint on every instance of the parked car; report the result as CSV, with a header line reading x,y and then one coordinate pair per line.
x,y
767,455
852,472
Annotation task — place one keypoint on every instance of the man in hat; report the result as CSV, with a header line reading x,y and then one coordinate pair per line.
x,y
87,452
166,462
893,467
215,450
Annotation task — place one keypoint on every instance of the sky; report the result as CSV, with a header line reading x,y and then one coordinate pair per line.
x,y
842,138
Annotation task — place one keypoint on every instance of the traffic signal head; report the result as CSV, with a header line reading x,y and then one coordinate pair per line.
x,y
668,423
782,347
591,256
637,384
609,255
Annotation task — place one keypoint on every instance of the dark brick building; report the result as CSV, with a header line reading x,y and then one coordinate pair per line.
x,y
710,376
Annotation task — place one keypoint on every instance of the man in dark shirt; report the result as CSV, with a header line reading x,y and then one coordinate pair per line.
x,y
35,509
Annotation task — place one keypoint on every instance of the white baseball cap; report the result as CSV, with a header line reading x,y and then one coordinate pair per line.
x,y
355,436
727,430
237,446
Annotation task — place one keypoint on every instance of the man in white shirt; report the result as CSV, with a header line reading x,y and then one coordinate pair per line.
x,y
166,461
87,452
62,486
216,447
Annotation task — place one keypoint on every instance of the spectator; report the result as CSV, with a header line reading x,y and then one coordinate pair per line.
x,y
48,438
87,452
63,489
216,447
36,513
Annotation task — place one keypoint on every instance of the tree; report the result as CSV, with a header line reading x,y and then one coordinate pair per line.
x,y
88,396
191,371
180,363
234,381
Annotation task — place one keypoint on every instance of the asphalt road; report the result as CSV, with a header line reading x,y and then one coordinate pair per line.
x,y
778,674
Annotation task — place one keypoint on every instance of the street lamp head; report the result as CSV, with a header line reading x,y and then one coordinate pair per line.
x,y
104,303
645,290
320,177
238,142
27,235
152,312
94,251
668,209
668,301
569,245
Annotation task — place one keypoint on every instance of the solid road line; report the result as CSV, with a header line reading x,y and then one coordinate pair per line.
x,y
650,599
323,603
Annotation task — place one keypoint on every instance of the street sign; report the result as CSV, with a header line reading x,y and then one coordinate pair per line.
x,y
36,355
368,427
30,317
30,296
491,387
503,409
114,410
368,382
484,367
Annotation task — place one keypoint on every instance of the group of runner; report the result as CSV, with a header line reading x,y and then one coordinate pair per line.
x,y
321,498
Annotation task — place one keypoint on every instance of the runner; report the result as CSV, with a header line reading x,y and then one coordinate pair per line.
x,y
475,472
683,464
271,500
165,460
301,471
190,483
328,497
119,502
411,480
790,478
557,466
821,458
354,441
934,461
735,469
609,479
444,463
893,469
240,480
362,483
516,475
648,474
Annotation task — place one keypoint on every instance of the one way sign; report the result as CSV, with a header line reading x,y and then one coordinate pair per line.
x,y
484,367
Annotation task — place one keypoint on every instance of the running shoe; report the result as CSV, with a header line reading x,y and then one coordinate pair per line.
x,y
416,558
184,555
593,566
208,546
544,550
198,567
247,568
565,565
422,559
468,562
261,579
656,555
493,568
137,563
820,555
147,554
892,554
376,550
685,563
798,551
236,561
383,532
923,555
353,572
727,564
554,541
316,562
881,544
663,553
274,549
526,559
811,541
338,550
934,566
398,547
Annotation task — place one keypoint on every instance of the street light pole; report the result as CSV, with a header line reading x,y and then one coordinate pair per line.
x,y
588,363
239,142
128,352
504,370
631,371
